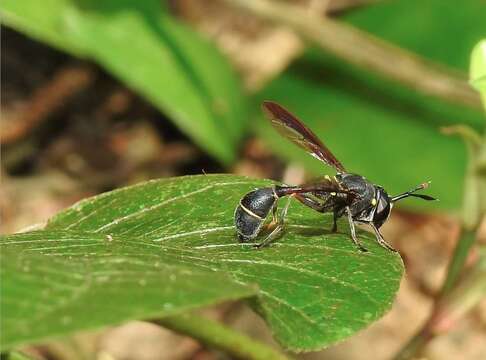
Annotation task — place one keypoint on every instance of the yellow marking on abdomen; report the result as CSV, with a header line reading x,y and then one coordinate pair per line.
x,y
249,212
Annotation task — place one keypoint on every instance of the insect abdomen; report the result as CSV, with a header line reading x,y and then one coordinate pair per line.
x,y
247,226
252,211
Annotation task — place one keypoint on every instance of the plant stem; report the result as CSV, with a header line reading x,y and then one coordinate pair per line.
x,y
364,50
458,260
462,298
214,334
414,345
457,297
65,83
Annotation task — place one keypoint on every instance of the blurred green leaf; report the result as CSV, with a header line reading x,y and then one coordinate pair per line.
x,y
164,246
178,71
443,31
16,355
477,71
379,129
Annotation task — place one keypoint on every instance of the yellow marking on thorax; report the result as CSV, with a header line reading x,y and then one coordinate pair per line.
x,y
373,202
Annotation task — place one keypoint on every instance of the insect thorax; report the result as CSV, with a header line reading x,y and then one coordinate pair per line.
x,y
363,205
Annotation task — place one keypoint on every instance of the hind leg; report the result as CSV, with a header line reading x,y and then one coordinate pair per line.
x,y
280,222
320,206
274,221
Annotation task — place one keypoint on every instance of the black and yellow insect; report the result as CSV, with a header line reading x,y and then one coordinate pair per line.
x,y
344,194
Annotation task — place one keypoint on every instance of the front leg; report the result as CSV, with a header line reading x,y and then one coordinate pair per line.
x,y
380,239
353,230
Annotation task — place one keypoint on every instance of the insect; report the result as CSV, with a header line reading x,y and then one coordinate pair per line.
x,y
344,194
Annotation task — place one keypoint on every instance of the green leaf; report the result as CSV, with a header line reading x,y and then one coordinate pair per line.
x,y
112,257
178,71
439,31
377,128
16,355
58,282
477,70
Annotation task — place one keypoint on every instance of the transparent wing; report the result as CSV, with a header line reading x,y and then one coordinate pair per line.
x,y
325,184
294,130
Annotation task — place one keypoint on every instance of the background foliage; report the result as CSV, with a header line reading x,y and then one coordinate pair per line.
x,y
178,71
395,130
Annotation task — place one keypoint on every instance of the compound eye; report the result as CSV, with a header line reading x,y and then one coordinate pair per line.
x,y
382,212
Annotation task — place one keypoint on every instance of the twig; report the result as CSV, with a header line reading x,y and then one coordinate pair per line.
x,y
459,257
65,83
213,334
448,309
364,50
458,297
340,6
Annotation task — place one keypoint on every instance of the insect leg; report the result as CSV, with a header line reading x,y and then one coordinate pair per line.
x,y
274,214
310,202
353,230
380,239
318,206
278,229
334,219
274,221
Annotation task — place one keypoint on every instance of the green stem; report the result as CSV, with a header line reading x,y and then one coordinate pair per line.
x,y
455,304
455,298
470,291
458,297
414,345
458,260
215,335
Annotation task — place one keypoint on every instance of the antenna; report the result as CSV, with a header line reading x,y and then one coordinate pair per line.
x,y
422,186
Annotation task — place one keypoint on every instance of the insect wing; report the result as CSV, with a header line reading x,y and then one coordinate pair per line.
x,y
294,130
325,184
